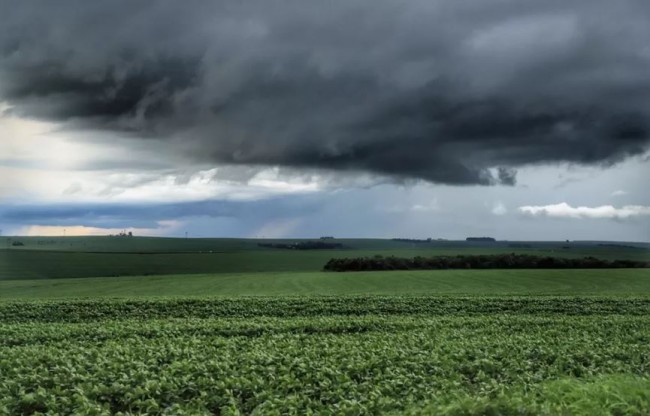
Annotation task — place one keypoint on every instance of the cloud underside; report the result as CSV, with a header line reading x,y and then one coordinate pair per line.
x,y
460,93
564,210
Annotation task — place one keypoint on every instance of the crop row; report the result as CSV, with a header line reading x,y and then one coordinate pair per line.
x,y
98,310
191,367
390,360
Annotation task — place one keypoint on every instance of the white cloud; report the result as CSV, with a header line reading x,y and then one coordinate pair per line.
x,y
499,209
431,206
198,185
66,186
618,192
278,229
564,210
40,162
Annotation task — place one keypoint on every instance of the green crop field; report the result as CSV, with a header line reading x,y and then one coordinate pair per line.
x,y
331,355
201,327
72,257
447,282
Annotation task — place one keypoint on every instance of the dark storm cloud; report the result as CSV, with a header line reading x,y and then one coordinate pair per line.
x,y
456,92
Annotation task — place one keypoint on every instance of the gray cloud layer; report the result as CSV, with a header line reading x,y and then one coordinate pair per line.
x,y
460,92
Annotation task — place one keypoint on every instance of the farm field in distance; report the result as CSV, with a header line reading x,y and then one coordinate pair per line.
x,y
72,257
255,330
420,282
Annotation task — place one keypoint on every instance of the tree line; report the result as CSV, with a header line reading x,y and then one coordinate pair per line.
x,y
303,245
412,240
492,261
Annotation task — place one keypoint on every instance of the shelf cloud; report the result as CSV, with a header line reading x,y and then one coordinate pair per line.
x,y
459,93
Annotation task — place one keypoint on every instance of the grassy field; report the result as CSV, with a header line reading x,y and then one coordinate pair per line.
x,y
448,282
247,330
105,256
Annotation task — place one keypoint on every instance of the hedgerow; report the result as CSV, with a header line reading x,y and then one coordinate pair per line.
x,y
486,261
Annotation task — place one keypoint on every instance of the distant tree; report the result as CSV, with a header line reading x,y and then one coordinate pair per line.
x,y
303,245
482,239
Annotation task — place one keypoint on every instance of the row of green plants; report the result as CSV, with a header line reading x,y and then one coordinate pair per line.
x,y
139,309
501,361
484,261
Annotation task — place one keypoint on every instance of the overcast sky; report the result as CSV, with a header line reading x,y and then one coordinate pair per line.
x,y
509,118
